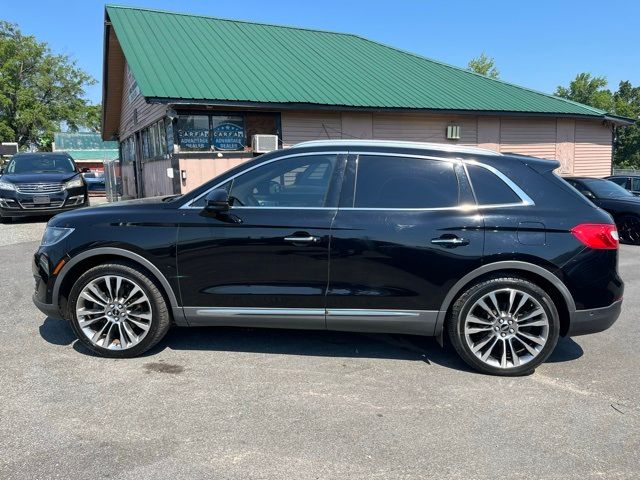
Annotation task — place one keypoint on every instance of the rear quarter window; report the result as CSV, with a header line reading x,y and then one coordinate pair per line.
x,y
489,188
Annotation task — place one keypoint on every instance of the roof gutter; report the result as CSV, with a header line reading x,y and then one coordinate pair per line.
x,y
619,121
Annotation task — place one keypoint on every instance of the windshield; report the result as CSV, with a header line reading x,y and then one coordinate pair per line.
x,y
41,164
606,189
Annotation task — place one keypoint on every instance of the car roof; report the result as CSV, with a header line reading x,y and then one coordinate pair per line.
x,y
41,154
440,147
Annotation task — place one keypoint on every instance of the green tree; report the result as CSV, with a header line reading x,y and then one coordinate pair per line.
x,y
38,90
484,66
625,102
588,90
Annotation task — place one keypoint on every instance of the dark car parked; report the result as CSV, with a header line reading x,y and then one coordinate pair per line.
x,y
620,203
628,182
40,184
494,251
95,182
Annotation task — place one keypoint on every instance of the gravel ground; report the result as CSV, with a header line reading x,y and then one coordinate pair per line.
x,y
248,403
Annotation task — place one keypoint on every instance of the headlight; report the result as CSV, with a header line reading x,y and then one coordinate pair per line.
x,y
76,182
53,235
4,185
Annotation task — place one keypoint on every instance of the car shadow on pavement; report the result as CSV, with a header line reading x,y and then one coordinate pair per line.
x,y
303,342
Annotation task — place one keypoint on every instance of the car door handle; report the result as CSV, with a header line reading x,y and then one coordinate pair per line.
x,y
450,242
309,239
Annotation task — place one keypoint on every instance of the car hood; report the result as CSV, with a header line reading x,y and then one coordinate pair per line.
x,y
38,177
124,211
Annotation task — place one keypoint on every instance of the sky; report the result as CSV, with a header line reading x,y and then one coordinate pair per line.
x,y
538,44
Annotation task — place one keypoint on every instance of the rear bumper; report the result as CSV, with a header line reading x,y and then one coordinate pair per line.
x,y
594,320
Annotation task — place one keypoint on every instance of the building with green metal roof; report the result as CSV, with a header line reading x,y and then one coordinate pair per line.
x,y
87,149
185,95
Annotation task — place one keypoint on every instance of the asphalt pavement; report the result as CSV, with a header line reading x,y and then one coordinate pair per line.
x,y
224,403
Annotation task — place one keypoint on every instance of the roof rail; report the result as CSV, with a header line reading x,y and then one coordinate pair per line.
x,y
398,144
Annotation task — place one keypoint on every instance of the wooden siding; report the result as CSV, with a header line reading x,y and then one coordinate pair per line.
x,y
423,128
147,113
301,126
593,145
128,181
526,136
156,181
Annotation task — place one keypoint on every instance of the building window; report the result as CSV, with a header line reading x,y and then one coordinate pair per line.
x,y
227,132
223,132
193,132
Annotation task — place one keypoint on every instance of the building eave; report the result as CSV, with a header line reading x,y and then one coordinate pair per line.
x,y
221,104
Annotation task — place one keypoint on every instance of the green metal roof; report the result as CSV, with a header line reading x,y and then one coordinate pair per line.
x,y
181,57
93,155
85,146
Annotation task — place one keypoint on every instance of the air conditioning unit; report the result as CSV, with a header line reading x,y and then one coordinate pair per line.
x,y
264,143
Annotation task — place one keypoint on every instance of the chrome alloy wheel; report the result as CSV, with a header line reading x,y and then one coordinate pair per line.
x,y
113,312
506,328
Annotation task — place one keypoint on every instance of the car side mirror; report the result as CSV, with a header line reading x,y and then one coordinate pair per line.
x,y
217,200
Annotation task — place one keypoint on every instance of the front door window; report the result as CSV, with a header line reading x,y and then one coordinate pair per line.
x,y
301,182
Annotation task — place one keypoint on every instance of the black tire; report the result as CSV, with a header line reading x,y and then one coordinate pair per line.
x,y
160,320
629,229
462,306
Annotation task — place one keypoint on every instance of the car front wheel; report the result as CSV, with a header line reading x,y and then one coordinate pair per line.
x,y
118,311
504,326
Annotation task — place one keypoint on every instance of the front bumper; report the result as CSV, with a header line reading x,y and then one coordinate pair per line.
x,y
595,320
48,309
17,204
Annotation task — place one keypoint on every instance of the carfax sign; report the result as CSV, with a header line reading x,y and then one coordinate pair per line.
x,y
228,136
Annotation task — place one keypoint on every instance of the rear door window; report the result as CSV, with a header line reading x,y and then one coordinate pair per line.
x,y
489,188
635,184
404,182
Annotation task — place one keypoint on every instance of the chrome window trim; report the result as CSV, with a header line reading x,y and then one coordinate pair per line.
x,y
526,200
188,205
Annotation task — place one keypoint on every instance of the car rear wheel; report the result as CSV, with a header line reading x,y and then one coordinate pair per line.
x,y
629,229
117,310
504,326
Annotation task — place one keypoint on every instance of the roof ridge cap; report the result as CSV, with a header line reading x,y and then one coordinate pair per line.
x,y
232,20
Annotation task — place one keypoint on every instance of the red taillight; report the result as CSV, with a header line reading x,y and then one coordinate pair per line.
x,y
601,236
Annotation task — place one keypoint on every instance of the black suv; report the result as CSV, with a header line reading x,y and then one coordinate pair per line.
x,y
494,251
41,184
